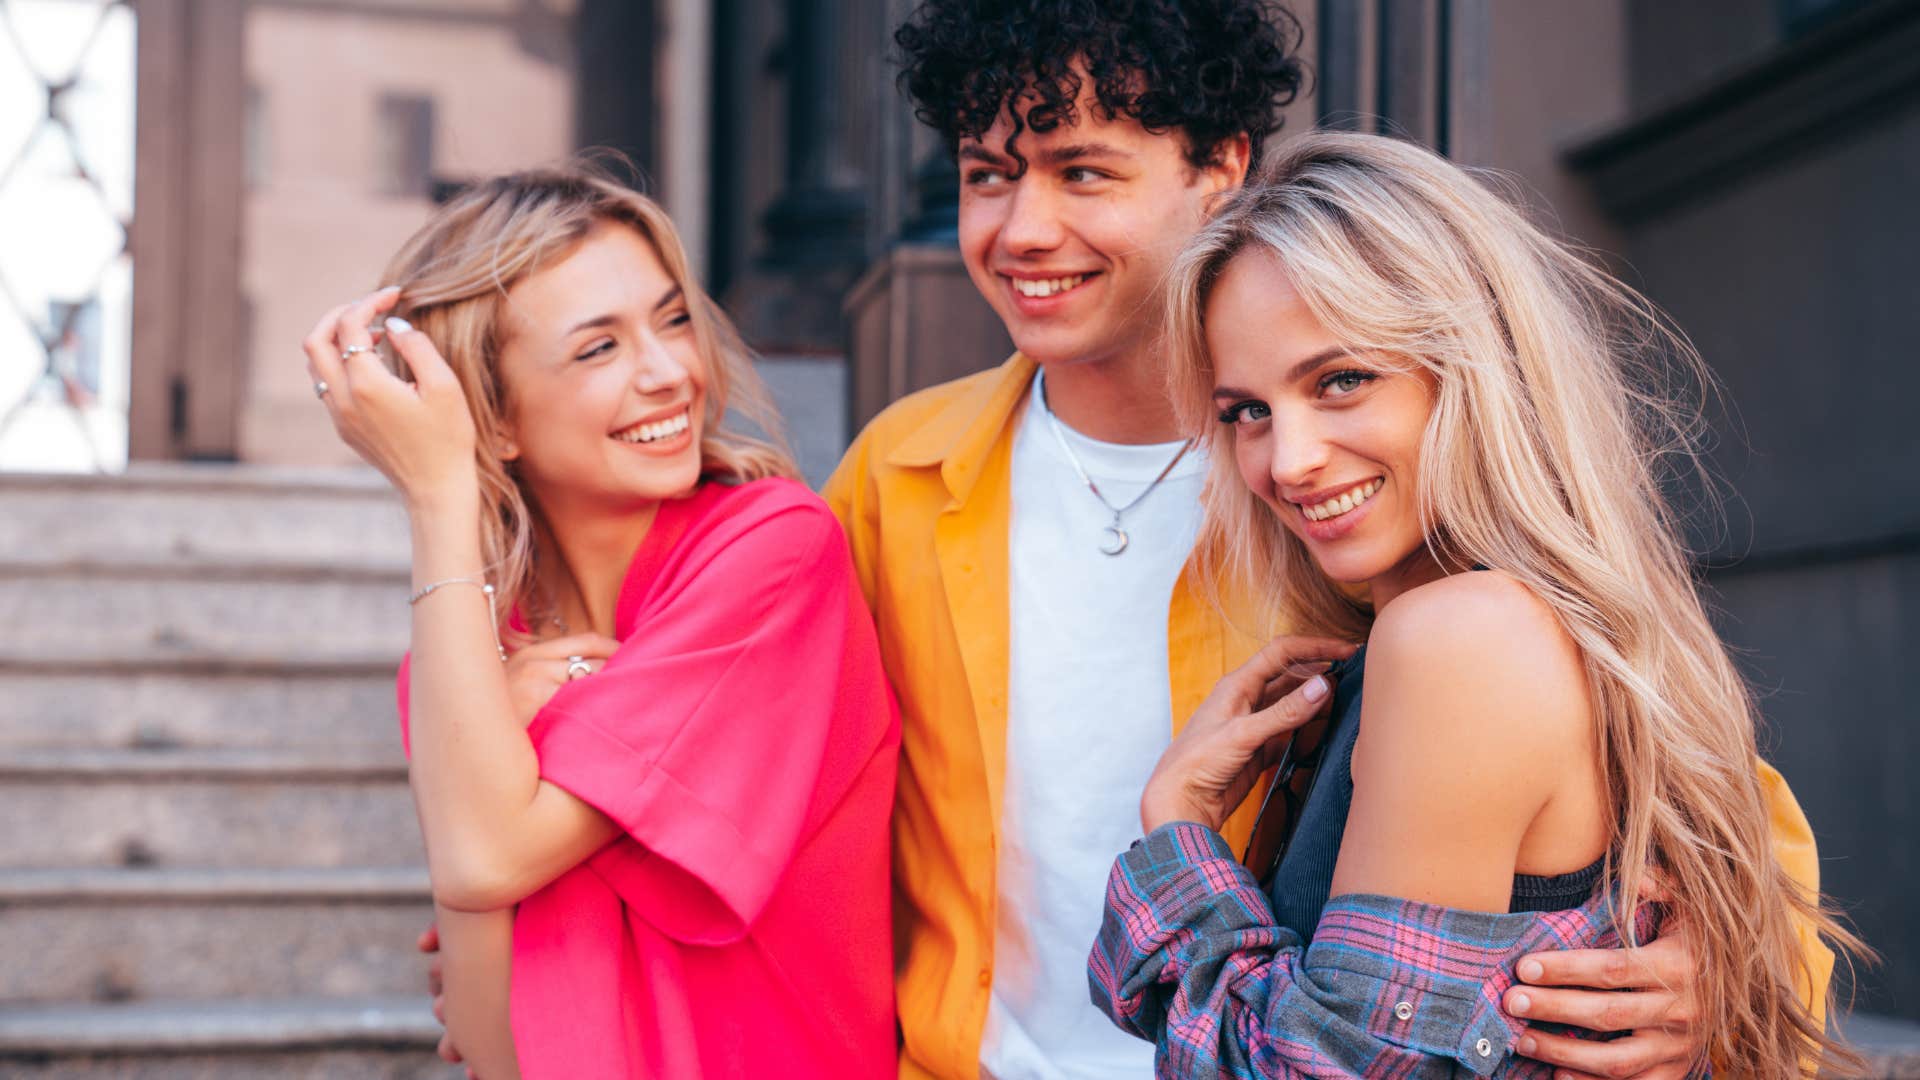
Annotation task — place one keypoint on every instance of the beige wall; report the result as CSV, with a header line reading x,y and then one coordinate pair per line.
x,y
316,231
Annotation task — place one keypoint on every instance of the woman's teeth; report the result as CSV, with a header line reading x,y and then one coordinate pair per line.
x,y
1344,501
659,429
1046,286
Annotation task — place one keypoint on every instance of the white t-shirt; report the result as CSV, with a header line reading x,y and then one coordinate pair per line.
x,y
1088,715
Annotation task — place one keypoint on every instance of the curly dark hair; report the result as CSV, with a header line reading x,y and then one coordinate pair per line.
x,y
1209,69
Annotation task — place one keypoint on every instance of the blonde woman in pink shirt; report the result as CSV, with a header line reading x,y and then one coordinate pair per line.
x,y
656,819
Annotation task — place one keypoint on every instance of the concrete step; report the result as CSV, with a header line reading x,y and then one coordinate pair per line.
x,y
382,1037
235,612
106,936
204,514
274,807
185,703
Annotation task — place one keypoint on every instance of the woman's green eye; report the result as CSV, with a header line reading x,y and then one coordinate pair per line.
x,y
1345,382
1243,412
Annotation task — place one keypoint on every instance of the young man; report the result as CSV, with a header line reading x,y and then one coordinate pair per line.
x,y
1022,536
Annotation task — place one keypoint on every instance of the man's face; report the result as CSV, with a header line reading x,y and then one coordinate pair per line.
x,y
1071,253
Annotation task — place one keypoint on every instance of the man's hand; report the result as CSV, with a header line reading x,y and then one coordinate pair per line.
x,y
1648,991
429,943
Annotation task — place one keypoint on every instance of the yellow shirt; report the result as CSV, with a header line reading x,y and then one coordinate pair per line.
x,y
924,494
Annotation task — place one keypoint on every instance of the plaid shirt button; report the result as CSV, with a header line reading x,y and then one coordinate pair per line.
x,y
1404,1010
1484,1047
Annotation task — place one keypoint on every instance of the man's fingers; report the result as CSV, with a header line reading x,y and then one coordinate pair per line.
x,y
1644,1054
1595,1010
440,1008
1662,963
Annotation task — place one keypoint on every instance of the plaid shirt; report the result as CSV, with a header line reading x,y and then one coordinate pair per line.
x,y
1190,956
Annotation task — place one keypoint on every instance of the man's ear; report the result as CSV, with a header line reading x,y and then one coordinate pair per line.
x,y
1232,158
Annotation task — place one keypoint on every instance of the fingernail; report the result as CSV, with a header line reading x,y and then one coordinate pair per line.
x,y
398,325
1518,1004
1527,1046
1316,688
1531,971
387,289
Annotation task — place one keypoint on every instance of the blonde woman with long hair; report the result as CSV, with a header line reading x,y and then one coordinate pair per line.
x,y
1412,394
656,825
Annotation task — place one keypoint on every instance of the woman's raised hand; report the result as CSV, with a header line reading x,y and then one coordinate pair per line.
x,y
419,434
537,670
1234,735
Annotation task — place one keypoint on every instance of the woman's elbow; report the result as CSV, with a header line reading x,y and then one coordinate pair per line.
x,y
474,884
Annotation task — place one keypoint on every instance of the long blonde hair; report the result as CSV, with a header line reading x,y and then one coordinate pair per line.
x,y
454,275
1554,427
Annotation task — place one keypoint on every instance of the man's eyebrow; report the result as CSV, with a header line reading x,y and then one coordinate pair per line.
x,y
1299,370
1070,152
977,152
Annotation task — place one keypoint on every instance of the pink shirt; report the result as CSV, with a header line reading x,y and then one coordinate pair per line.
x,y
745,739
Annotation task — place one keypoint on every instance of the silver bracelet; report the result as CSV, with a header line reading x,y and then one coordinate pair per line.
x,y
481,583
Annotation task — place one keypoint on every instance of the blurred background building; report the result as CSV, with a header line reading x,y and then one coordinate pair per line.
x,y
206,849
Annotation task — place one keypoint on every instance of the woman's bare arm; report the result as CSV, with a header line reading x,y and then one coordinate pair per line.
x,y
1476,756
476,950
495,830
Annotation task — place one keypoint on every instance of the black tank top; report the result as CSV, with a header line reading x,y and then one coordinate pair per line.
x,y
1303,881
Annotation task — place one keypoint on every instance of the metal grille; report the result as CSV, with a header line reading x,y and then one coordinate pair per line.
x,y
66,202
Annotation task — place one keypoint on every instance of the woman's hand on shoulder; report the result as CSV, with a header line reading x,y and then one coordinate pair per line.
x,y
1476,708
538,669
1237,732
419,434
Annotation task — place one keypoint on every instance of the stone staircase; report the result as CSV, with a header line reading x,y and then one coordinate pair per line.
x,y
209,862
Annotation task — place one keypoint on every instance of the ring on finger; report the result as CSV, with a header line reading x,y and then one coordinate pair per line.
x,y
348,352
320,388
578,668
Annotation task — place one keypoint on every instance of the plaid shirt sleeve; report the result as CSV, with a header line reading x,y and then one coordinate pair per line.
x,y
1189,957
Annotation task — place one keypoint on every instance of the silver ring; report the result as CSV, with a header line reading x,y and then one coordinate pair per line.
x,y
320,388
578,668
347,352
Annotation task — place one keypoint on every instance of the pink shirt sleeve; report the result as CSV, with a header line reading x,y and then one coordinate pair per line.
x,y
704,735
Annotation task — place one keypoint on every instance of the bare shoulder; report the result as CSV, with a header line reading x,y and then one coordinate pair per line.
x,y
1486,652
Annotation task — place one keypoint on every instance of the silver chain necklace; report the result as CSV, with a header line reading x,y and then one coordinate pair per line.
x,y
1117,541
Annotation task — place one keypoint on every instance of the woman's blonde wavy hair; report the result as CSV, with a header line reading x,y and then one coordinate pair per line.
x,y
454,275
1554,427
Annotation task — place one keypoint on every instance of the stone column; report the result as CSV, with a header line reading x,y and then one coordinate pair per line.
x,y
914,318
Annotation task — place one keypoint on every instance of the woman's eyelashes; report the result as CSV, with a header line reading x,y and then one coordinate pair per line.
x,y
1244,412
1341,383
597,349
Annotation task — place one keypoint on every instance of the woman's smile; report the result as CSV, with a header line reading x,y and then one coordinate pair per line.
x,y
660,434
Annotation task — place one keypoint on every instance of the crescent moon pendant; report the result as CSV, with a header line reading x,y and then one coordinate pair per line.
x,y
1117,544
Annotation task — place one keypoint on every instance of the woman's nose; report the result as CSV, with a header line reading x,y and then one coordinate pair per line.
x,y
659,369
1299,451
